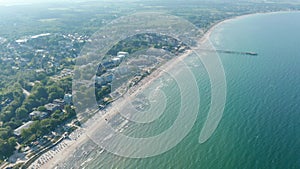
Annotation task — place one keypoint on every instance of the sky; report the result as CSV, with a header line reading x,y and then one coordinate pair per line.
x,y
22,2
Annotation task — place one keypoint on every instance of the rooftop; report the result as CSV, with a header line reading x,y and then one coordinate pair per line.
x,y
24,126
52,106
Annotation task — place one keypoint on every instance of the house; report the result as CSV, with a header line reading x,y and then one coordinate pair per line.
x,y
108,64
100,80
18,131
122,54
38,114
121,70
68,99
60,102
104,79
108,77
67,72
116,60
51,107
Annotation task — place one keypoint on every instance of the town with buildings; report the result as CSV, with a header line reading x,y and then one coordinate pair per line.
x,y
38,122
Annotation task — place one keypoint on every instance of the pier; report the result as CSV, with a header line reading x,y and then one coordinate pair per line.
x,y
232,52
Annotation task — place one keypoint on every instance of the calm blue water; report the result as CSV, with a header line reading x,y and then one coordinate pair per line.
x,y
260,128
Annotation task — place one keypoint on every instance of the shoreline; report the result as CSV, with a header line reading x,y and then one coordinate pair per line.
x,y
70,145
218,23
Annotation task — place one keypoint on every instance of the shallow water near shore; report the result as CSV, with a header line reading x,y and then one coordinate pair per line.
x,y
260,125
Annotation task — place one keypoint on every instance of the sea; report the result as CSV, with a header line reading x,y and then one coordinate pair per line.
x,y
260,124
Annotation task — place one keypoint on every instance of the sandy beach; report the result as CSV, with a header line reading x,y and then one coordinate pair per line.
x,y
57,153
68,146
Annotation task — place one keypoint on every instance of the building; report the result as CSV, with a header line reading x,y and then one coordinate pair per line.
x,y
108,64
18,131
38,115
122,54
51,107
104,79
108,77
121,70
60,102
68,99
116,60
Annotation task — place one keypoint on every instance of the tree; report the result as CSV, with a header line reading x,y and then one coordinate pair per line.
x,y
46,125
7,147
3,149
32,138
3,133
40,92
25,133
54,95
22,113
57,114
41,76
41,108
30,103
12,141
13,123
55,92
71,112
6,116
